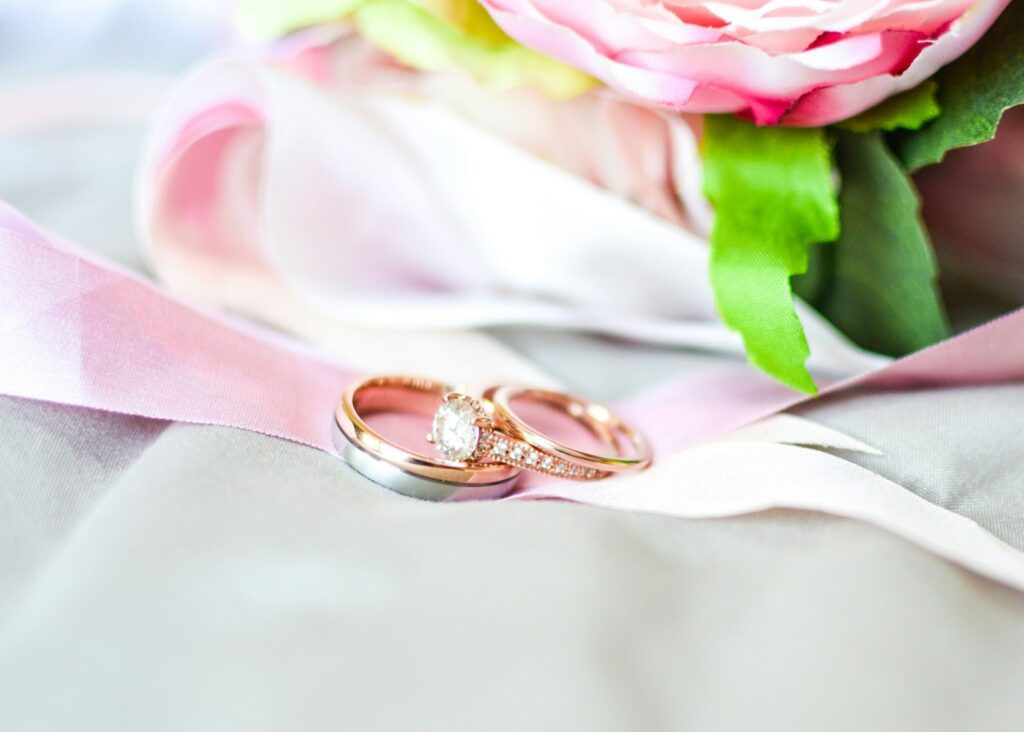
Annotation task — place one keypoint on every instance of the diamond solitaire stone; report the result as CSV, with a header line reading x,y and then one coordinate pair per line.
x,y
455,433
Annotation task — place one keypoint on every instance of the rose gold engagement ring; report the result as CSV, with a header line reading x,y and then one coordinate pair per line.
x,y
481,445
503,428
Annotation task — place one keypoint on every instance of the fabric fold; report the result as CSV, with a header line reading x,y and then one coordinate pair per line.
x,y
389,208
81,333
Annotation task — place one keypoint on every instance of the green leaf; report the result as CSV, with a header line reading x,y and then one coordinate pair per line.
x,y
773,195
433,35
907,111
974,91
881,290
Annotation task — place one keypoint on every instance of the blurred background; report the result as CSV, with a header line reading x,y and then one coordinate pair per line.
x,y
66,160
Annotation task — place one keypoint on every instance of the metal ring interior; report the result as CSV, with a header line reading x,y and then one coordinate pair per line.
x,y
398,468
414,486
595,418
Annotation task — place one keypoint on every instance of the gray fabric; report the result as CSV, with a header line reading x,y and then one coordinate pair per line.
x,y
77,182
605,369
225,580
55,465
960,448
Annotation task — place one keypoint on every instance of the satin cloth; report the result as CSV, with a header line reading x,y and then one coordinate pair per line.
x,y
384,204
81,333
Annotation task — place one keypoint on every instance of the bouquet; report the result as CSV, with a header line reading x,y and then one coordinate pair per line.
x,y
675,160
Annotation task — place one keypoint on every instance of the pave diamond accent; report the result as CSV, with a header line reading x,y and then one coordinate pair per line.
x,y
455,433
503,449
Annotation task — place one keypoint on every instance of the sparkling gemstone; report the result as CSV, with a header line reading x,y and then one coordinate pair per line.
x,y
547,463
531,458
517,452
500,448
455,432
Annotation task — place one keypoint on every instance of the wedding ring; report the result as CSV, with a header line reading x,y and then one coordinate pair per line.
x,y
626,449
483,444
402,469
490,430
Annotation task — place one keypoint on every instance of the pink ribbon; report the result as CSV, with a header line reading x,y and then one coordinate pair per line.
x,y
84,333
79,332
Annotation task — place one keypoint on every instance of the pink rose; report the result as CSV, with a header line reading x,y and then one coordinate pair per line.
x,y
795,62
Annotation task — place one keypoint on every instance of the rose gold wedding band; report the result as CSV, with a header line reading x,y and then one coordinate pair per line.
x,y
628,449
402,469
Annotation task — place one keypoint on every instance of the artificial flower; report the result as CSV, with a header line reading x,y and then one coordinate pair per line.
x,y
798,62
432,35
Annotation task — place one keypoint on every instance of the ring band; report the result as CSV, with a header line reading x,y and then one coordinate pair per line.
x,y
403,470
629,449
484,443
